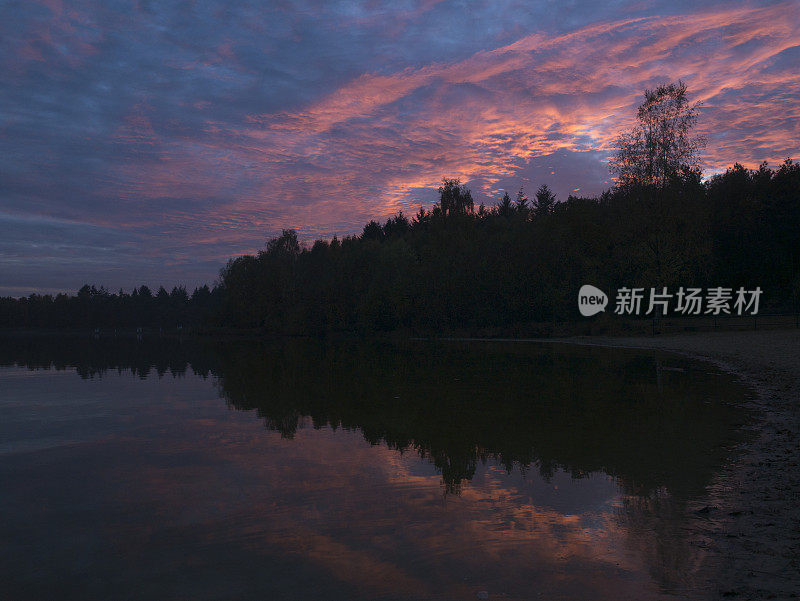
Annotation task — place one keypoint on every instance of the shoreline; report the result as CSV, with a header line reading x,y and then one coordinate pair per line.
x,y
749,520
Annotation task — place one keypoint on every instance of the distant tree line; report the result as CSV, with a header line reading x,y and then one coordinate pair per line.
x,y
458,267
99,308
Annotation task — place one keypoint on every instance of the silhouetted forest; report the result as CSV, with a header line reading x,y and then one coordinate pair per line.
x,y
100,308
458,267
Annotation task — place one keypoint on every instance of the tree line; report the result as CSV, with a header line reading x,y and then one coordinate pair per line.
x,y
99,308
455,268
458,267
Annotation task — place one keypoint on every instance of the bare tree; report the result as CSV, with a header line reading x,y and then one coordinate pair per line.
x,y
660,146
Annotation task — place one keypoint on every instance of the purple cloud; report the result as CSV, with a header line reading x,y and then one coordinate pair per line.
x,y
147,144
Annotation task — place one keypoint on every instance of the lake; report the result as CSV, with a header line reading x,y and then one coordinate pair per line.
x,y
168,469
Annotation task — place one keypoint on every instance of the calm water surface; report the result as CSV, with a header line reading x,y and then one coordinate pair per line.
x,y
168,470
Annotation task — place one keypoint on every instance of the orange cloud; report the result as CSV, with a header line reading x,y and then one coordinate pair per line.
x,y
366,149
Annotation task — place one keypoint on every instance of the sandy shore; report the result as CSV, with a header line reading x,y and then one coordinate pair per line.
x,y
750,521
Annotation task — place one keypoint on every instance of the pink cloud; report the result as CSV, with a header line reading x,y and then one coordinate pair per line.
x,y
365,149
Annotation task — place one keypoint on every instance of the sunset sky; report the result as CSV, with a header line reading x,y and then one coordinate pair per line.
x,y
146,142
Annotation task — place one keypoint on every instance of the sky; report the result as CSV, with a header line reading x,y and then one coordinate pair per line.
x,y
146,142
